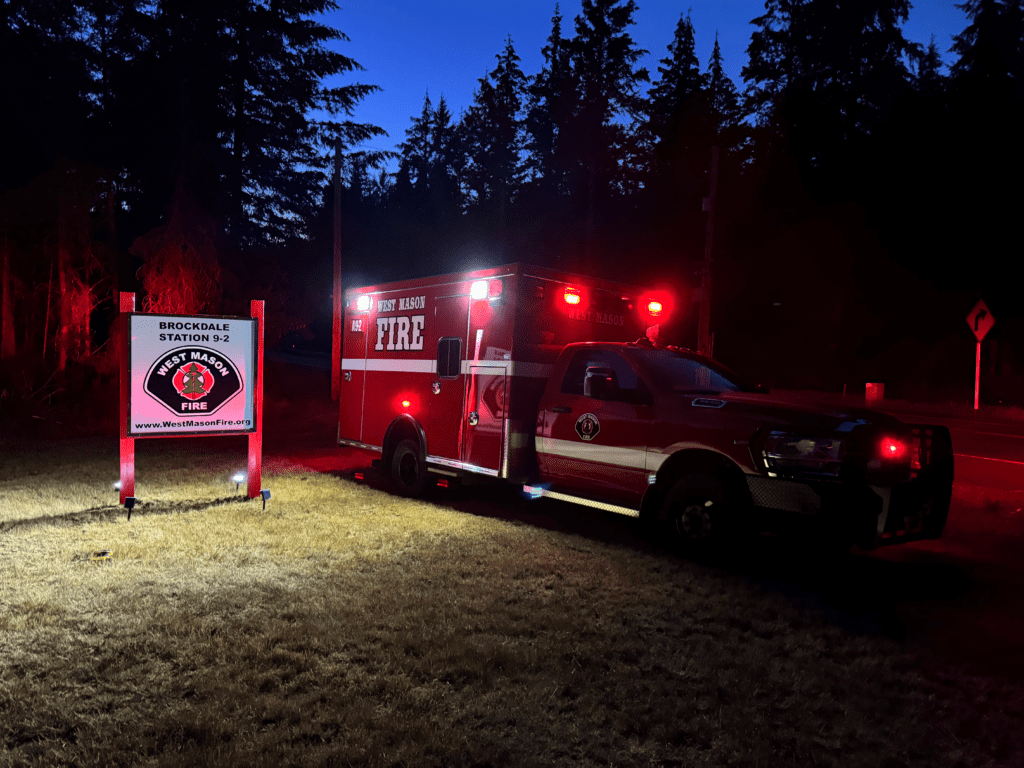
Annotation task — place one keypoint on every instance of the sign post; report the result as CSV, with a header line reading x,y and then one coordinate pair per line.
x,y
184,376
127,484
981,322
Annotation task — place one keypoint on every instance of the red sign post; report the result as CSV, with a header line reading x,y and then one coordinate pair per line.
x,y
981,322
189,368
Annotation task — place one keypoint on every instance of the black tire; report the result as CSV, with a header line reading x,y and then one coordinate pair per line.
x,y
695,512
408,469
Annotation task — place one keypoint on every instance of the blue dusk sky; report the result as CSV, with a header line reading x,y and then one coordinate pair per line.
x,y
412,47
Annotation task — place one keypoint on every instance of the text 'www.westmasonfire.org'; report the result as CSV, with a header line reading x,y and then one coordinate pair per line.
x,y
194,423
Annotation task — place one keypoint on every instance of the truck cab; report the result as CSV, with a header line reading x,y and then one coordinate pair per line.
x,y
664,433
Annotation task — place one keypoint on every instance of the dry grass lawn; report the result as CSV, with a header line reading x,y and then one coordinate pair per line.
x,y
343,626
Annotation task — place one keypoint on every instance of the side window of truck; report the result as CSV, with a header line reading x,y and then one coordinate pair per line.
x,y
449,357
631,386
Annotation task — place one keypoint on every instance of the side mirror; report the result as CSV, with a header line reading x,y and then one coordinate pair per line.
x,y
601,384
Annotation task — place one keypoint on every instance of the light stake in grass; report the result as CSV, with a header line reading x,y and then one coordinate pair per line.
x,y
266,495
238,479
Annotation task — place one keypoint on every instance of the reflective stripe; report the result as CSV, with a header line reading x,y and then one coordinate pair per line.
x,y
357,444
399,366
619,456
536,491
511,367
461,465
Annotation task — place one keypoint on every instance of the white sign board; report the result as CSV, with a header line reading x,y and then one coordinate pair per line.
x,y
191,375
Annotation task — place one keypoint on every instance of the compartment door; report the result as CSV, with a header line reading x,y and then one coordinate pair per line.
x,y
485,420
446,389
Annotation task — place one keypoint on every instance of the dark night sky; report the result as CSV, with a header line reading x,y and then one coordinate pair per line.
x,y
409,46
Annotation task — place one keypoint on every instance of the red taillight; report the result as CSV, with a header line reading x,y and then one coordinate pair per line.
x,y
894,449
358,475
572,296
406,403
442,483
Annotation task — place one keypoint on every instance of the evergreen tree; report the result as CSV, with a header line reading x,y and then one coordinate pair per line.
x,y
723,99
551,96
44,87
928,77
495,136
445,166
280,157
822,76
417,155
676,95
607,84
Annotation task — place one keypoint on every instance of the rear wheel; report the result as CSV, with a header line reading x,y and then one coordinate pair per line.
x,y
408,468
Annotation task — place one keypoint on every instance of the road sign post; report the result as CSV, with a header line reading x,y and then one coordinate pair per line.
x,y
981,321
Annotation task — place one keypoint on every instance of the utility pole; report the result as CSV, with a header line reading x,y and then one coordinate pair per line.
x,y
704,336
336,297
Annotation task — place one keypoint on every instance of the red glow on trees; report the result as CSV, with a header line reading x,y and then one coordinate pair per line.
x,y
181,274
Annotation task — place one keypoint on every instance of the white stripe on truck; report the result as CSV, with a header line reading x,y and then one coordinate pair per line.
x,y
618,456
511,367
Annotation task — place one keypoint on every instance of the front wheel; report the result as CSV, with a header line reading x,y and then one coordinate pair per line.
x,y
408,469
695,512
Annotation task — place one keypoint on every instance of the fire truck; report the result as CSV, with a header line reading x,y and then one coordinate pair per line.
x,y
557,382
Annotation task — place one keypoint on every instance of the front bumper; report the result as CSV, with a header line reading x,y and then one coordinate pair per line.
x,y
862,513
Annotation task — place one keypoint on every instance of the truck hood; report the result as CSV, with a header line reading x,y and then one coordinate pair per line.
x,y
793,416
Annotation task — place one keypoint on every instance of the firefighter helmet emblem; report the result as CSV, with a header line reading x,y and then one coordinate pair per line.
x,y
193,381
587,426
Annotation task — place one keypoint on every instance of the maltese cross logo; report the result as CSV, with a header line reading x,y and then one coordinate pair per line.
x,y
193,381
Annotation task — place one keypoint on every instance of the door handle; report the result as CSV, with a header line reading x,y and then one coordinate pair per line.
x,y
562,409
474,417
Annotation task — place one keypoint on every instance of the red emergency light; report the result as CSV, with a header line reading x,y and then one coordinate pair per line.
x,y
405,402
572,296
657,304
893,448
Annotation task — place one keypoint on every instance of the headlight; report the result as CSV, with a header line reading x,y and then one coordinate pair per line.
x,y
786,452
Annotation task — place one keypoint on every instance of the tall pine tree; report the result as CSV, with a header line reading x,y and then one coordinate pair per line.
x,y
495,137
607,83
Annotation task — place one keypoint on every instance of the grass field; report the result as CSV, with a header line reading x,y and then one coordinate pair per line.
x,y
343,626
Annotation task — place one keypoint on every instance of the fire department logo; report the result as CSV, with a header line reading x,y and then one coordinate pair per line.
x,y
192,381
587,426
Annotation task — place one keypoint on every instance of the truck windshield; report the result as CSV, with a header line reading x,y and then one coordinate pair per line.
x,y
686,374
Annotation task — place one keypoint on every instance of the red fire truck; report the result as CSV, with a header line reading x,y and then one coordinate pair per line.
x,y
556,382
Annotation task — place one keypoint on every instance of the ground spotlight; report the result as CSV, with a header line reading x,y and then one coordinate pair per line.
x,y
117,485
238,479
